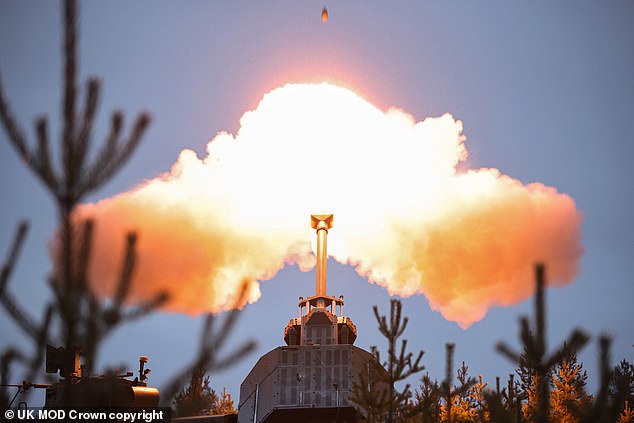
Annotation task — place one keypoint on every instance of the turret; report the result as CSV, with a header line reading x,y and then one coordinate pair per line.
x,y
312,377
321,320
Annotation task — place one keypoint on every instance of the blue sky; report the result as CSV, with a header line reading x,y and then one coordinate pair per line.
x,y
545,92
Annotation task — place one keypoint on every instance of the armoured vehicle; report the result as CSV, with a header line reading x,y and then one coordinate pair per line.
x,y
78,390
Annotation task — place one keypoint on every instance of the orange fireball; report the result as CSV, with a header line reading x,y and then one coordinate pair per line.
x,y
407,218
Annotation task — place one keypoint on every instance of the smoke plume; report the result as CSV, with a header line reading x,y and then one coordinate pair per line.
x,y
405,218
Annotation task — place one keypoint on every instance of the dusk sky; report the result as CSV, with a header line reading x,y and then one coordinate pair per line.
x,y
544,92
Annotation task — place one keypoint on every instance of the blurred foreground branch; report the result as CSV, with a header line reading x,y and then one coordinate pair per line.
x,y
534,358
83,320
212,341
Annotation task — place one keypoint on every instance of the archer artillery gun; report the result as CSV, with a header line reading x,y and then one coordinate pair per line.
x,y
311,378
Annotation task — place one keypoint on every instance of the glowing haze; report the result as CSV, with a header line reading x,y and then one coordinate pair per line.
x,y
404,217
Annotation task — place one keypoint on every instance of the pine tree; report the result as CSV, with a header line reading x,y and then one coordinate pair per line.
x,y
622,384
527,392
75,316
627,415
477,399
224,404
512,401
449,413
603,409
387,403
197,398
531,408
370,393
503,405
463,405
428,400
535,350
569,400
525,377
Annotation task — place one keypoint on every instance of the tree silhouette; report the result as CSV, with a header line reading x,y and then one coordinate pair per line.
x,y
449,412
477,395
622,384
627,414
512,402
84,321
527,389
428,401
527,399
534,343
569,400
503,405
464,407
224,404
370,393
197,398
82,318
389,403
212,341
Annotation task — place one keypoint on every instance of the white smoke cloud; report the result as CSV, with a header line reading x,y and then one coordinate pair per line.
x,y
404,217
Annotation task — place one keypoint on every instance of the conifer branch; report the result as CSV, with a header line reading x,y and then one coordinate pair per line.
x,y
145,307
83,138
375,395
85,251
535,347
17,313
43,156
125,279
212,341
69,92
13,130
83,319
